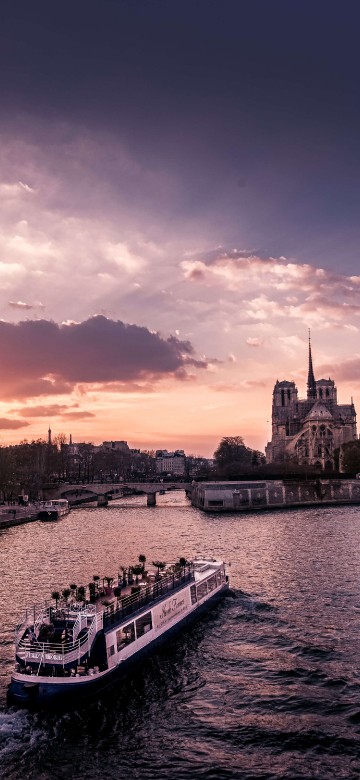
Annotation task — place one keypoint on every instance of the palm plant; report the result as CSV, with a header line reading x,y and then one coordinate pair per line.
x,y
159,565
80,593
92,591
109,581
138,569
65,594
73,589
56,596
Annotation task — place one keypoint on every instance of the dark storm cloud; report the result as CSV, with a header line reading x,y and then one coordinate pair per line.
x,y
54,358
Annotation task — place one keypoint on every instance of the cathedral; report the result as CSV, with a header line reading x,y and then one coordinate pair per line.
x,y
309,430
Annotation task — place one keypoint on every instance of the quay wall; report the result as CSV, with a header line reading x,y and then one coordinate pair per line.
x,y
16,517
242,496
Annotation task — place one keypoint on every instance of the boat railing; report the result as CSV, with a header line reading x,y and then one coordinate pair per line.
x,y
43,613
150,593
66,652
33,617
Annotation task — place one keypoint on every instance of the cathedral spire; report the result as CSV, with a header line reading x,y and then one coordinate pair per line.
x,y
311,384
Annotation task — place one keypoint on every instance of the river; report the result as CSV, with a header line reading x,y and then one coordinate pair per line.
x,y
266,685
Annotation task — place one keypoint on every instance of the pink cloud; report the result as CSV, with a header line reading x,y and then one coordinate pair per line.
x,y
13,425
46,410
278,287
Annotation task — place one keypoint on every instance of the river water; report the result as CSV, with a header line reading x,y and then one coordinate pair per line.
x,y
266,685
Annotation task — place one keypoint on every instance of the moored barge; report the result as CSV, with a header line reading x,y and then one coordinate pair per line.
x,y
70,652
54,509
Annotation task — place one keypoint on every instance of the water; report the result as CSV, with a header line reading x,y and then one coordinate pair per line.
x,y
266,685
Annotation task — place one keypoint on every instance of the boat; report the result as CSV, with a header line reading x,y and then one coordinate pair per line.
x,y
72,651
54,509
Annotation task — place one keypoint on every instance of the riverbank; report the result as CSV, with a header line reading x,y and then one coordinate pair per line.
x,y
10,516
242,496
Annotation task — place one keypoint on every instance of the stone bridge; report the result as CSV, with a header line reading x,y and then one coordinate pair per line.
x,y
102,491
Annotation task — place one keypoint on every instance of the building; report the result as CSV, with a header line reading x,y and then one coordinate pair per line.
x,y
173,463
116,446
308,431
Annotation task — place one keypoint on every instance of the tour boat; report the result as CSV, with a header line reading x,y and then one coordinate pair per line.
x,y
71,651
53,510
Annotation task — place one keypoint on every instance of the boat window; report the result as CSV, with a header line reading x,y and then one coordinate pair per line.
x,y
143,624
218,577
201,590
125,635
193,594
212,583
216,502
111,651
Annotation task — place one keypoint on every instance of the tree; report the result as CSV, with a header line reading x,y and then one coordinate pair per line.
x,y
230,449
350,457
233,458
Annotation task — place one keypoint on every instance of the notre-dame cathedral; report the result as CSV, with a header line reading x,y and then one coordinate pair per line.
x,y
309,430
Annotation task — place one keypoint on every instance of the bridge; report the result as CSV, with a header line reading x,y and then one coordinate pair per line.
x,y
102,491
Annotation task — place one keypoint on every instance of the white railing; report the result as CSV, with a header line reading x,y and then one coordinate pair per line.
x,y
61,653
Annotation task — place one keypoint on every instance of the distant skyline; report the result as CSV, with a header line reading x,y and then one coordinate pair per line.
x,y
179,191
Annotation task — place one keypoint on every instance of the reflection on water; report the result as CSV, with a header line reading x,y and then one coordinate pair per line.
x,y
267,685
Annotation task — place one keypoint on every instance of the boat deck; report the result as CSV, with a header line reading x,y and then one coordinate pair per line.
x,y
131,602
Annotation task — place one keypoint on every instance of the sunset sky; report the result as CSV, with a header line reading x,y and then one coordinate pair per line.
x,y
179,186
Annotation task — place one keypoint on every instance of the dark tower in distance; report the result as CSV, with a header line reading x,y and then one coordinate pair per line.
x,y
311,384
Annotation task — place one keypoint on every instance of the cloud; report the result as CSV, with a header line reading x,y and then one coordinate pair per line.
x,y
6,424
91,223
122,387
77,415
254,342
274,288
55,358
235,387
346,371
46,410
249,384
14,190
25,306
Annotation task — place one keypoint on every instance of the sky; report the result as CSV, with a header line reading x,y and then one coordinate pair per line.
x,y
179,204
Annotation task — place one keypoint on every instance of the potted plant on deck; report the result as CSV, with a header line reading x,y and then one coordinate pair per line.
x,y
142,561
137,570
160,565
56,595
108,587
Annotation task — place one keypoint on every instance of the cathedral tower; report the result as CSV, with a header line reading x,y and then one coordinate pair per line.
x,y
311,384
